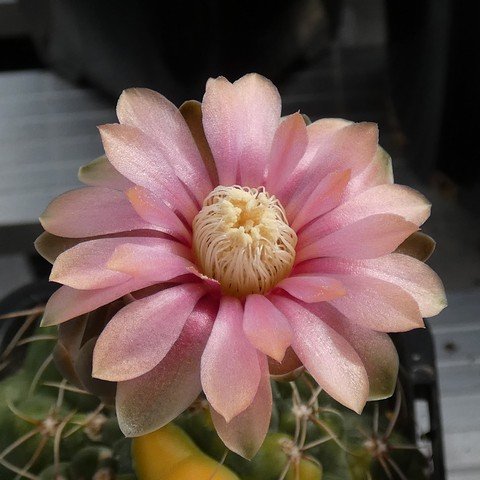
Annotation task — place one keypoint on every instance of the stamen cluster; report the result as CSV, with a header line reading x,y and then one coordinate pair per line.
x,y
241,238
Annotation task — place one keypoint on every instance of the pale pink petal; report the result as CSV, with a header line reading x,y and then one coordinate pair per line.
x,y
212,284
161,120
153,210
379,305
375,349
328,357
240,121
230,370
191,111
138,157
383,199
84,266
415,277
267,329
67,302
412,275
91,211
349,148
313,288
327,195
367,238
319,132
378,172
50,246
139,336
245,433
154,399
154,262
101,173
288,147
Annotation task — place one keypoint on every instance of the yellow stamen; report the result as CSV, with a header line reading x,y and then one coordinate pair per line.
x,y
241,237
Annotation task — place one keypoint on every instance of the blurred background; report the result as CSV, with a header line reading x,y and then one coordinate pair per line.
x,y
411,66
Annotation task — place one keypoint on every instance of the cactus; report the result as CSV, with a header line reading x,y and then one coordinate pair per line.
x,y
54,429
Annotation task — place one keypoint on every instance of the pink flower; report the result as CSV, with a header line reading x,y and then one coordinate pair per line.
x,y
253,233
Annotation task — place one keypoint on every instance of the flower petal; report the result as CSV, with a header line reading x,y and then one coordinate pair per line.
x,y
139,336
267,329
418,245
230,369
313,288
319,132
91,211
50,246
101,173
375,349
191,111
154,210
408,273
149,402
138,157
67,302
161,120
326,196
288,147
329,358
370,237
245,433
288,368
378,304
240,121
383,199
83,367
158,263
351,147
84,266
378,172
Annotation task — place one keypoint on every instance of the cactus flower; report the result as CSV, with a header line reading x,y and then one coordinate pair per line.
x,y
235,235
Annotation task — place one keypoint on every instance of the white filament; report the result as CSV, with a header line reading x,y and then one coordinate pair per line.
x,y
241,238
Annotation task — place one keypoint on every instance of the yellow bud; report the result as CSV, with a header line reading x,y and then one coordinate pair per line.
x,y
170,454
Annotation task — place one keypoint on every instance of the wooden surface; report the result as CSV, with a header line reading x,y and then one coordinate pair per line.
x,y
47,130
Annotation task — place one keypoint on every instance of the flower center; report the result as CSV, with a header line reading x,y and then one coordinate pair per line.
x,y
241,238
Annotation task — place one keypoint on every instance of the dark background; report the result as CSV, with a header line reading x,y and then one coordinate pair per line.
x,y
421,55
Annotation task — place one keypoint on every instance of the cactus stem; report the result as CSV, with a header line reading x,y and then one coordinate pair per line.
x,y
317,442
57,439
69,388
61,393
396,412
20,414
23,313
17,470
39,373
41,445
35,338
18,442
87,420
21,331
325,427
386,468
397,469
